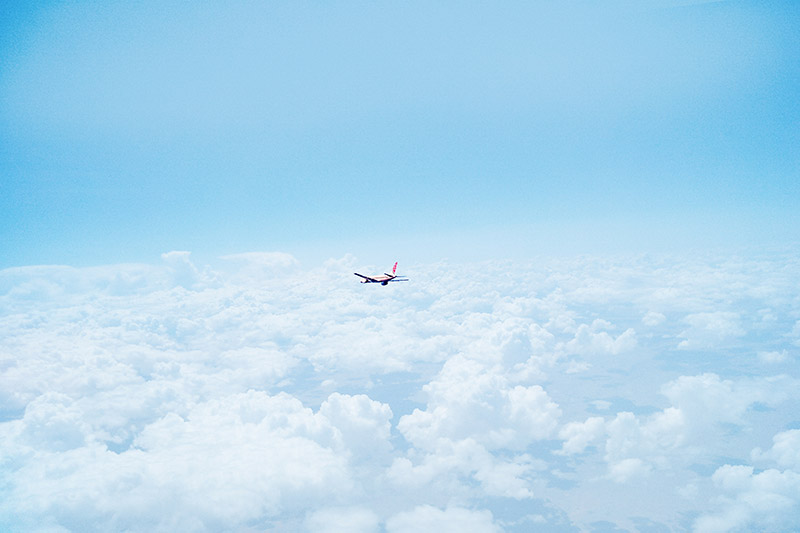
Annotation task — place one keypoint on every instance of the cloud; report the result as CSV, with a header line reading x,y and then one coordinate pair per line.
x,y
471,400
765,501
702,407
710,329
785,451
578,435
454,467
343,520
183,271
261,393
592,339
653,318
452,519
260,455
634,447
773,356
707,399
362,423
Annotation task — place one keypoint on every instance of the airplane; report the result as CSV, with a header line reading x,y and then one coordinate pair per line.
x,y
384,279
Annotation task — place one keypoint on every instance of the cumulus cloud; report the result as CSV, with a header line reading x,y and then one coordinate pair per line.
x,y
230,460
470,400
260,393
362,423
785,451
455,467
452,519
773,356
702,407
578,435
593,339
634,447
343,520
709,399
653,318
710,329
759,501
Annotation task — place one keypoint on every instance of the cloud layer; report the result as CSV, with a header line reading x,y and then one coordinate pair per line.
x,y
255,394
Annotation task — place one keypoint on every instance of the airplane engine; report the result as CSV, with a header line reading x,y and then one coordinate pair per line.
x,y
384,282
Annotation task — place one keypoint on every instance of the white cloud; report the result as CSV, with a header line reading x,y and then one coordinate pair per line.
x,y
184,273
653,318
593,339
342,520
635,446
54,422
470,400
450,520
362,423
706,399
578,435
702,405
454,465
785,451
707,330
773,356
259,393
625,469
229,461
763,501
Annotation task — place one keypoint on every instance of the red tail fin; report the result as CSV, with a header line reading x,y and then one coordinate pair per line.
x,y
394,269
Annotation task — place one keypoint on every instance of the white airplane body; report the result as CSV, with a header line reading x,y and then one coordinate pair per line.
x,y
383,279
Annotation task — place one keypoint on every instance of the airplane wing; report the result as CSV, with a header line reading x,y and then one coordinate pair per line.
x,y
373,280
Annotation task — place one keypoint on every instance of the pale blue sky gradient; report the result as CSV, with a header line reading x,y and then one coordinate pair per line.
x,y
128,130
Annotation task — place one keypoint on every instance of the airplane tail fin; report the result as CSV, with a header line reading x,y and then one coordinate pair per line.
x,y
394,269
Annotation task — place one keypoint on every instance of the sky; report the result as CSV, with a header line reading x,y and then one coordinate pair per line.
x,y
127,131
596,205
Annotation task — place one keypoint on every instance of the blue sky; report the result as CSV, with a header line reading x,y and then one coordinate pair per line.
x,y
459,129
